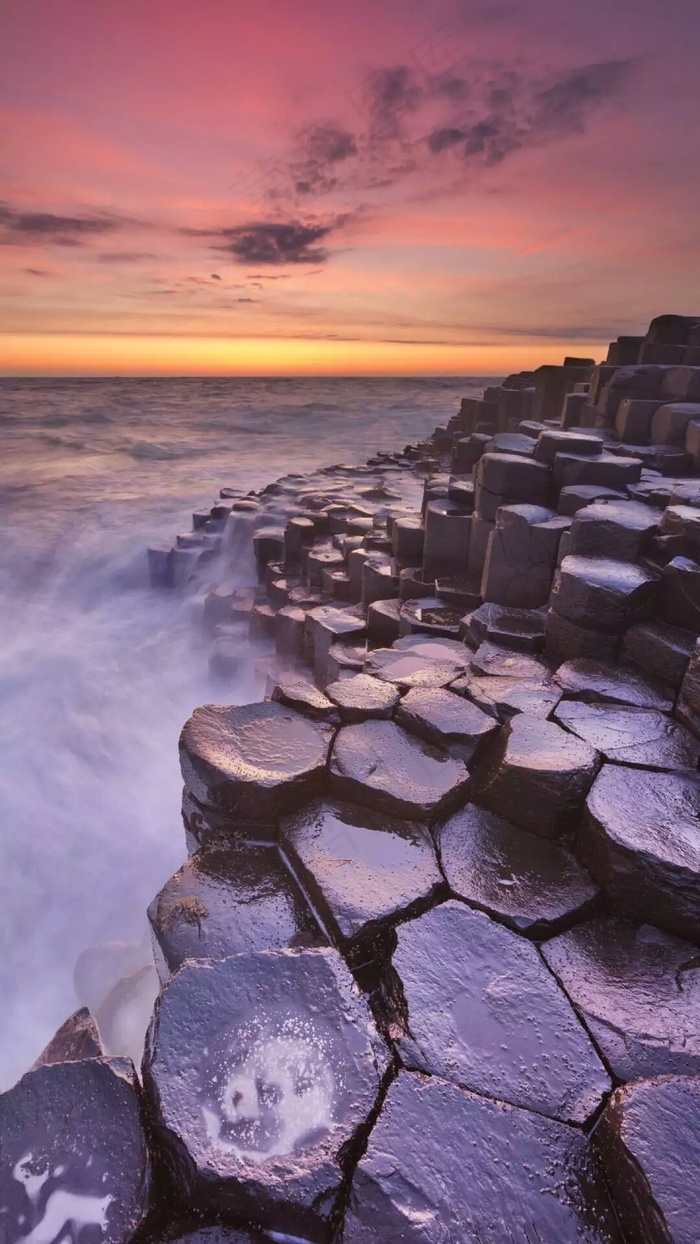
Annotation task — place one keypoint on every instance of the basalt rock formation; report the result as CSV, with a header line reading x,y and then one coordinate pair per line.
x,y
430,974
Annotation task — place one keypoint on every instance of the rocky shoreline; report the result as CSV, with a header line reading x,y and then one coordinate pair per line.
x,y
431,971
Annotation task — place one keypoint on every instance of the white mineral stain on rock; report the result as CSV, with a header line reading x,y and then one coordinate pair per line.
x,y
278,1098
66,1210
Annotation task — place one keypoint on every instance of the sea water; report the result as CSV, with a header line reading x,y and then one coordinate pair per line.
x,y
97,672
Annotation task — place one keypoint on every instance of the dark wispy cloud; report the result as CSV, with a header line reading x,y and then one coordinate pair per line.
x,y
468,120
322,149
17,226
125,256
37,272
277,243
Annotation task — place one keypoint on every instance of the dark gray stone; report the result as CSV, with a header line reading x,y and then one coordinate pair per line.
x,y
534,886
503,478
303,696
226,901
496,661
429,616
362,872
521,556
381,766
669,424
476,1005
73,1157
688,706
522,630
624,735
504,697
414,668
595,680
567,641
555,441
679,597
662,651
448,720
574,497
256,762
615,529
640,839
362,697
383,622
648,1143
536,776
637,990
261,1071
504,1174
601,594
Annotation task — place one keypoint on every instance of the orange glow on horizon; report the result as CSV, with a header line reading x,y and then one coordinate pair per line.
x,y
126,355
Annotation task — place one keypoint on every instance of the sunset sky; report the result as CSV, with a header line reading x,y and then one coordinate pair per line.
x,y
317,186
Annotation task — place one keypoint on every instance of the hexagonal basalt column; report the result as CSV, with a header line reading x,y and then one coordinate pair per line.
x,y
362,871
468,1000
227,901
73,1156
534,886
447,720
637,990
377,764
644,738
254,762
479,1172
640,838
537,776
261,1072
648,1141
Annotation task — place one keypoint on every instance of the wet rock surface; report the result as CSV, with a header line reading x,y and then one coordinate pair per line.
x,y
361,697
382,766
648,1141
506,1174
480,588
414,668
362,871
640,839
536,776
254,762
637,990
644,738
261,1072
475,1004
534,886
73,1155
447,720
225,902
588,680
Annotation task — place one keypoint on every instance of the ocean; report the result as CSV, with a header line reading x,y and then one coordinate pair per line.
x,y
98,672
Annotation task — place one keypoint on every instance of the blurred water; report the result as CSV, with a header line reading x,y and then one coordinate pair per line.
x,y
98,673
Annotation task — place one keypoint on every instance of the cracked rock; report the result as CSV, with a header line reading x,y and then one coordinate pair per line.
x,y
362,872
536,776
637,990
648,1141
506,1174
534,886
261,1071
254,762
504,697
362,697
448,720
595,680
625,735
225,902
475,1004
602,594
414,668
381,766
73,1155
640,838
521,556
